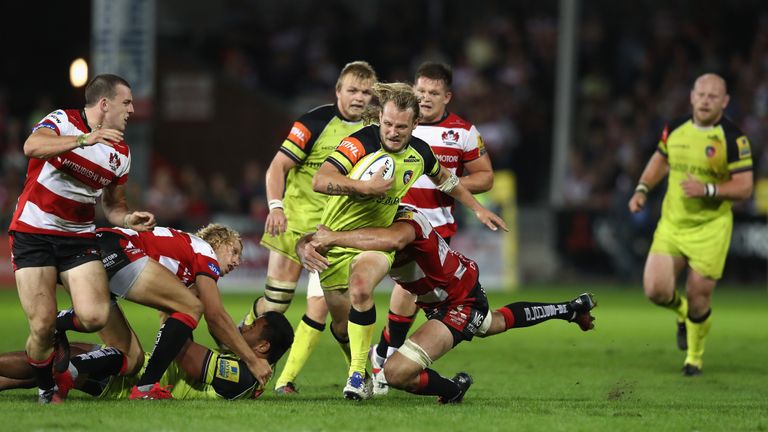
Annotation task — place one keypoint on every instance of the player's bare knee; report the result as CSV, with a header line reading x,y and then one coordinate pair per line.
x,y
359,295
400,373
41,331
93,319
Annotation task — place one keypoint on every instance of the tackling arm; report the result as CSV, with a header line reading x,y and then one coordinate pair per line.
x,y
393,238
223,328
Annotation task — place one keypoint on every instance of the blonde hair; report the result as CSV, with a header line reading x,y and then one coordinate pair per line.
x,y
217,235
360,69
399,93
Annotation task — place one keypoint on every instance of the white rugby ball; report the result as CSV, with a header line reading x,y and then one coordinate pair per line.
x,y
370,164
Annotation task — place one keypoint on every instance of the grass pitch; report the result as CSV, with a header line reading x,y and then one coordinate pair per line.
x,y
625,375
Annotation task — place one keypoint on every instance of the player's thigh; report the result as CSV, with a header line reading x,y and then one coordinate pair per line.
x,y
87,284
282,268
37,294
158,288
402,302
367,270
660,275
118,333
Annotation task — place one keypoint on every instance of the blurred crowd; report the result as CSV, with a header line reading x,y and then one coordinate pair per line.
x,y
636,65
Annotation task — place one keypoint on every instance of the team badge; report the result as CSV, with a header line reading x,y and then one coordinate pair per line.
x,y
710,151
407,176
114,161
450,137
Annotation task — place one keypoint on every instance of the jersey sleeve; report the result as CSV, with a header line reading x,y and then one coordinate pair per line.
x,y
738,149
57,121
474,147
305,131
431,164
662,146
347,154
205,262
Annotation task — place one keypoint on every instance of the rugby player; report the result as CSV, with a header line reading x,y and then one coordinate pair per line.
x,y
196,373
176,273
709,163
353,274
295,209
76,156
448,291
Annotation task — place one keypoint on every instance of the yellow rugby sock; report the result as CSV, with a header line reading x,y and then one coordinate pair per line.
x,y
678,304
360,328
697,333
344,345
307,334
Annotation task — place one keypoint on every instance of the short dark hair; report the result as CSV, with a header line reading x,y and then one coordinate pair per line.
x,y
279,333
436,71
104,85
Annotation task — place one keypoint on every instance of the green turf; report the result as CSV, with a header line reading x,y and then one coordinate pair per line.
x,y
623,376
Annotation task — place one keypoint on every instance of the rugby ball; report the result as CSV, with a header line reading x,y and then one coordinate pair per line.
x,y
369,165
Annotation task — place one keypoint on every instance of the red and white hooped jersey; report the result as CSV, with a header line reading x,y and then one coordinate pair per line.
x,y
428,267
185,255
455,142
59,196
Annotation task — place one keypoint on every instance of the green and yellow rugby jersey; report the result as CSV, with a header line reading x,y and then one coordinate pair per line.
x,y
711,155
222,377
313,137
343,212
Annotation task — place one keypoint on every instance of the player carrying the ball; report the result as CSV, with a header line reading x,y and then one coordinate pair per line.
x,y
353,274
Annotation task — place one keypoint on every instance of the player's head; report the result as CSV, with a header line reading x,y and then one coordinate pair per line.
x,y
111,96
709,98
226,243
269,336
353,89
433,83
399,114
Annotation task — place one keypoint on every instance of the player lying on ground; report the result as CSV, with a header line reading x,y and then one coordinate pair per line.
x,y
176,273
197,372
448,291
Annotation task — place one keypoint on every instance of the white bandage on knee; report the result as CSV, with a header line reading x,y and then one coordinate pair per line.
x,y
314,289
278,295
415,353
449,184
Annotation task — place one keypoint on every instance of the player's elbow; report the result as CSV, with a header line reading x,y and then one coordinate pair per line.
x,y
30,149
745,192
487,183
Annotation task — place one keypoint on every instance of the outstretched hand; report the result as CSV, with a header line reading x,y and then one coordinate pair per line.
x,y
491,219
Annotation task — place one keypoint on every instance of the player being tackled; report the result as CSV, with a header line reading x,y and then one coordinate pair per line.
x,y
448,291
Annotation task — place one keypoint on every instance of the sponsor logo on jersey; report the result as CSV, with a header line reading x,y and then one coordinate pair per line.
x,y
412,159
228,370
114,161
214,268
407,176
444,158
481,145
744,150
299,135
710,151
352,148
44,125
450,137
